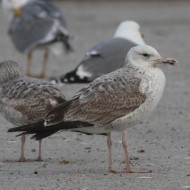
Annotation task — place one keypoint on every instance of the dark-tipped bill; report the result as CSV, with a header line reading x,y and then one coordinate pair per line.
x,y
169,61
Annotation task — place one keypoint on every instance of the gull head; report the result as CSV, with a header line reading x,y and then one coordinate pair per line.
x,y
9,70
130,30
143,56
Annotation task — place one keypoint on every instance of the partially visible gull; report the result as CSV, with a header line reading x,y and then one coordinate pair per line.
x,y
112,102
25,100
106,56
37,24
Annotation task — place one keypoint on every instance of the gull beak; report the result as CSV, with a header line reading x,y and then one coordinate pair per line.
x,y
17,11
169,61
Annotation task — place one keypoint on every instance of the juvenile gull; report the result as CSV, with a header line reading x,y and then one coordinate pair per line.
x,y
37,24
106,56
112,102
25,100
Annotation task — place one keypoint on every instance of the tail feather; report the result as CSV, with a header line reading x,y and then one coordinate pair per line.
x,y
66,43
40,131
40,136
30,127
65,40
68,46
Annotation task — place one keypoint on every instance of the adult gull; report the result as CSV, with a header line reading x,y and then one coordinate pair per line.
x,y
106,56
112,102
37,24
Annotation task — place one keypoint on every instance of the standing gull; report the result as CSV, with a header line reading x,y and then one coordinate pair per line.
x,y
106,56
112,102
37,24
25,100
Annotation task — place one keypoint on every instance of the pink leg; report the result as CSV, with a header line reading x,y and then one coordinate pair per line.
x,y
109,143
125,147
22,158
128,167
40,151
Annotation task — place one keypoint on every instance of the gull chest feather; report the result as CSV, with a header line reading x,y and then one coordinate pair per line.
x,y
152,85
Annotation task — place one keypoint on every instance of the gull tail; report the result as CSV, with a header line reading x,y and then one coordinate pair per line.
x,y
40,131
65,39
68,46
30,127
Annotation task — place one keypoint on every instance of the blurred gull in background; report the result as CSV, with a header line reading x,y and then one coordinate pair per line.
x,y
106,56
37,24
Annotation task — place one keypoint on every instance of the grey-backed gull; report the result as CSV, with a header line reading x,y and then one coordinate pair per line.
x,y
25,100
37,24
112,102
106,56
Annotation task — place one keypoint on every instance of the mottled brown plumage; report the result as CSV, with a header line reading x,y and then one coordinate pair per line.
x,y
95,103
25,100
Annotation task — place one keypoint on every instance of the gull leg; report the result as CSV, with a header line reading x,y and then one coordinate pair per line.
x,y
22,158
128,167
46,56
125,147
109,143
40,151
29,63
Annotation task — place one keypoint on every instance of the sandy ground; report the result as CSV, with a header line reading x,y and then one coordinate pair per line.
x,y
161,143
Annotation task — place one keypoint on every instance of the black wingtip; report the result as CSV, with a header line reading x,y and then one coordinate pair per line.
x,y
11,130
29,128
72,77
68,47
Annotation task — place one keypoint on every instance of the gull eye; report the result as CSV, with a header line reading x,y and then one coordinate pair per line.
x,y
146,55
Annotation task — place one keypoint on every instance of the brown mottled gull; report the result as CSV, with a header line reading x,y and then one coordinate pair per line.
x,y
25,100
112,102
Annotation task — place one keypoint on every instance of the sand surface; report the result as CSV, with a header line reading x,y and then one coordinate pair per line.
x,y
161,143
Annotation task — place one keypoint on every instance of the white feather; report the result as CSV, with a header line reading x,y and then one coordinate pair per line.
x,y
130,30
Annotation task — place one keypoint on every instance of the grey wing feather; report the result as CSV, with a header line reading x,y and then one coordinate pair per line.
x,y
110,55
30,99
54,12
36,21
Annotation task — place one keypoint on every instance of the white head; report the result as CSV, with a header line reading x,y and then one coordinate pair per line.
x,y
143,56
130,30
13,4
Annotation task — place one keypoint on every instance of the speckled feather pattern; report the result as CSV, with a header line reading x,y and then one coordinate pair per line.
x,y
114,101
25,100
96,103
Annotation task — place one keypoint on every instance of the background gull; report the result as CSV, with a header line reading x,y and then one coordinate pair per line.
x,y
112,102
106,56
25,100
37,24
